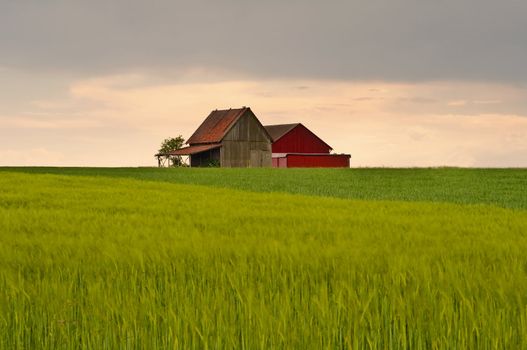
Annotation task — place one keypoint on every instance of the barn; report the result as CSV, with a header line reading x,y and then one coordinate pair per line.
x,y
229,138
295,146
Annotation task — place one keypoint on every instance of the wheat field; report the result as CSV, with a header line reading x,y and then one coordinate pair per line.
x,y
105,261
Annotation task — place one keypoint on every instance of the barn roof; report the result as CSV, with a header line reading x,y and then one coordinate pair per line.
x,y
194,149
217,124
280,130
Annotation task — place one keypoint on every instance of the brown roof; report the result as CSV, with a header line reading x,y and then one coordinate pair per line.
x,y
277,131
217,124
194,149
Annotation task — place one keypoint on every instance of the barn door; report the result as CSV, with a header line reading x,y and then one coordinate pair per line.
x,y
266,159
256,158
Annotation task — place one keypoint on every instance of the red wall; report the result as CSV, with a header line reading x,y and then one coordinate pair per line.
x,y
318,161
300,140
280,162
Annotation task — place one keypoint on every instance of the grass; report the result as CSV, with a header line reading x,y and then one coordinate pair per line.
x,y
117,262
501,187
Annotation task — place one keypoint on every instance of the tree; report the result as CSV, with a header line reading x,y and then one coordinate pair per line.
x,y
168,145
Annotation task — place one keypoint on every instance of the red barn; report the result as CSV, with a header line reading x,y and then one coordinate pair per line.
x,y
295,146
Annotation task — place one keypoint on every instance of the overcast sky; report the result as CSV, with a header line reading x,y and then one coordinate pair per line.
x,y
393,82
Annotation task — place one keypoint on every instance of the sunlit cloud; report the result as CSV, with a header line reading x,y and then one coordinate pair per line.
x,y
457,103
30,156
379,123
41,120
395,87
487,102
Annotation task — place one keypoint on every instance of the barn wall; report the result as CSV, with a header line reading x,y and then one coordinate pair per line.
x,y
318,161
300,140
246,144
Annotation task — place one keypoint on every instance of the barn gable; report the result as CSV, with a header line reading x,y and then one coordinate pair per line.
x,y
247,127
296,138
277,131
246,143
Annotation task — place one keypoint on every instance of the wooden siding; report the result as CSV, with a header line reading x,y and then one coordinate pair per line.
x,y
246,144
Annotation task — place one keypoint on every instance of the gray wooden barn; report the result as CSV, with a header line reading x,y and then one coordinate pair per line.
x,y
229,138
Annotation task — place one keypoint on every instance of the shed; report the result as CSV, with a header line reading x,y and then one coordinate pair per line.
x,y
229,138
295,146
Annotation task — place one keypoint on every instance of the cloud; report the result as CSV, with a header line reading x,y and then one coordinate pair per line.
x,y
47,121
31,156
394,82
389,40
487,102
457,103
119,120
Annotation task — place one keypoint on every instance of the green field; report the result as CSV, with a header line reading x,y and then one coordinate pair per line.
x,y
263,258
501,187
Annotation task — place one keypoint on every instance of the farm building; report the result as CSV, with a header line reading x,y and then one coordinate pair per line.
x,y
295,146
229,138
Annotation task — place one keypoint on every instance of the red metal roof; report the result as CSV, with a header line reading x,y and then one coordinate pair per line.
x,y
194,149
217,124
